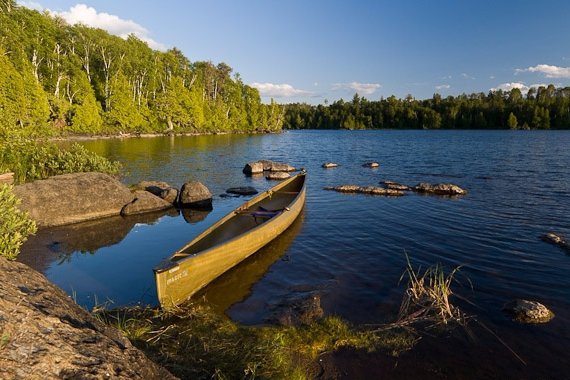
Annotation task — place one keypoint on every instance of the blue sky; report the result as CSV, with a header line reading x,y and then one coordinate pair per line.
x,y
317,50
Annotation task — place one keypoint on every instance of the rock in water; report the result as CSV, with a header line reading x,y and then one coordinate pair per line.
x,y
45,335
72,198
371,165
439,189
160,189
396,186
558,240
254,167
525,311
244,190
281,167
328,165
145,202
278,176
195,194
371,190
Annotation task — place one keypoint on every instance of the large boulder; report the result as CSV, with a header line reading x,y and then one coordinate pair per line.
x,y
45,335
258,167
145,202
439,189
72,198
281,167
526,311
160,189
195,194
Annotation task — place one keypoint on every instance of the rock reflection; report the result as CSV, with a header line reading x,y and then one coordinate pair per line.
x,y
193,216
235,285
59,243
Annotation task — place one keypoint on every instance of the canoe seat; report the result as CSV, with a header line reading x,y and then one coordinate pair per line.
x,y
264,214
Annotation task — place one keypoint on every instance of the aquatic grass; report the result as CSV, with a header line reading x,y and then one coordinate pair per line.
x,y
427,297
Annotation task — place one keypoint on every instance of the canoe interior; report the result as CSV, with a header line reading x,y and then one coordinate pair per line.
x,y
242,220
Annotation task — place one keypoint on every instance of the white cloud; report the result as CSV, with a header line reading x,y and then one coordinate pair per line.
x,y
491,77
31,5
443,87
467,76
507,87
361,88
549,71
279,90
83,14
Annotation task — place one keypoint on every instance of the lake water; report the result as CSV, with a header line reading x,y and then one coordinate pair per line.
x,y
351,249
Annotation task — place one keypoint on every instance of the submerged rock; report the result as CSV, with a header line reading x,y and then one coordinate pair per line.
x,y
278,176
440,189
195,194
45,335
371,165
328,165
72,198
298,310
145,202
395,186
372,190
525,311
558,240
243,190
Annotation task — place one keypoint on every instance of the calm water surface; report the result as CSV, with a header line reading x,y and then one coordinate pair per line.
x,y
351,249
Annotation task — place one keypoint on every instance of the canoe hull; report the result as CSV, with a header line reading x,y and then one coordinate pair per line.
x,y
178,282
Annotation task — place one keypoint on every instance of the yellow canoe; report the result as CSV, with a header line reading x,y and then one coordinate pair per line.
x,y
229,241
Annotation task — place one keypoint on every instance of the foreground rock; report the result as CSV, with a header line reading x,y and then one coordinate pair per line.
x,y
72,198
195,194
440,189
160,189
145,202
395,186
278,176
244,190
372,190
557,240
525,311
329,165
371,165
298,310
45,335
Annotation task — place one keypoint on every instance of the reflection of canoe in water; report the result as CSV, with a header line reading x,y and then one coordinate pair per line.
x,y
229,241
236,285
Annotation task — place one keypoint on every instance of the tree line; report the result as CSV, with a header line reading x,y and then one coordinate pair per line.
x,y
56,78
541,108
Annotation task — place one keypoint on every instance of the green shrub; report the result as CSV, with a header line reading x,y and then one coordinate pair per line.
x,y
15,225
31,160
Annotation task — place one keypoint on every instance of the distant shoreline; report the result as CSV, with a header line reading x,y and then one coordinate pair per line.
x,y
144,135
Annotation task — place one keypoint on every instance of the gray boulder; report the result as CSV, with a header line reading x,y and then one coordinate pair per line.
x,y
145,202
258,167
440,189
195,194
278,176
525,311
160,189
72,198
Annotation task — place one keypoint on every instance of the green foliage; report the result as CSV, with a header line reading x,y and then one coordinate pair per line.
x,y
15,225
543,108
30,160
194,342
62,79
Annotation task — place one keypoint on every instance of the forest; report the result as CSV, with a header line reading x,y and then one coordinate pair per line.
x,y
541,108
59,79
